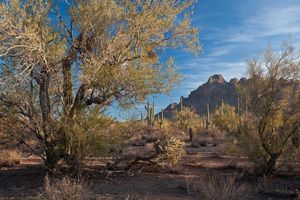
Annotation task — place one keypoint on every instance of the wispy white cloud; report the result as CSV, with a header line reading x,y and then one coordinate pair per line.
x,y
232,31
267,21
254,28
220,51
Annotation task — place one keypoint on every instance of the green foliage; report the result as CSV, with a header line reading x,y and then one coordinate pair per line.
x,y
172,149
226,119
187,118
266,135
250,144
56,68
95,134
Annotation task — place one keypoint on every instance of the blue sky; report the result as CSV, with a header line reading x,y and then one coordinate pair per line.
x,y
231,32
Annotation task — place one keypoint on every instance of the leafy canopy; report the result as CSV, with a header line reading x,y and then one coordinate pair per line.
x,y
63,62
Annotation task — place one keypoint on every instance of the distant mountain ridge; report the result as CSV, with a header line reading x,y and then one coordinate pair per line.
x,y
212,92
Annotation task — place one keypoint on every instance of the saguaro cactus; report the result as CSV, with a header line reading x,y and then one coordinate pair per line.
x,y
150,113
246,109
153,111
238,106
161,118
239,111
181,104
222,108
208,117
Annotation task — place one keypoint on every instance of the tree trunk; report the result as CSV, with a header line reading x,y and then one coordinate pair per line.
x,y
45,104
271,164
49,139
67,85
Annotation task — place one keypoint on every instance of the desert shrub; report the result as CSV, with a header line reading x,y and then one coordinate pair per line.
x,y
10,157
168,148
121,134
161,152
167,127
86,137
66,189
96,134
172,150
211,135
187,118
213,187
229,146
213,132
226,118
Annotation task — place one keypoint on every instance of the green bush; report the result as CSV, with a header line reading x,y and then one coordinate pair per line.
x,y
226,118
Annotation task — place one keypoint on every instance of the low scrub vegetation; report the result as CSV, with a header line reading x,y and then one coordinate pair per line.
x,y
10,157
66,189
213,187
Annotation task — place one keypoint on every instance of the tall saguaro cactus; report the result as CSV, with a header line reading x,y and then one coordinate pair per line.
x,y
239,110
161,118
150,113
208,117
238,106
246,109
181,104
222,108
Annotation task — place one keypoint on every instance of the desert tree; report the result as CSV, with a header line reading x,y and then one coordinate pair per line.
x,y
60,61
272,93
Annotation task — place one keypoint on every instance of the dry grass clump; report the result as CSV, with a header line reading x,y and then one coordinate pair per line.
x,y
229,147
213,187
66,189
10,157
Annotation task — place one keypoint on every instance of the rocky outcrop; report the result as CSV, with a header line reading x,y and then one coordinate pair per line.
x,y
212,92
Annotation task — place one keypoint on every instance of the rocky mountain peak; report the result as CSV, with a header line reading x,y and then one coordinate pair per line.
x,y
234,81
217,78
213,92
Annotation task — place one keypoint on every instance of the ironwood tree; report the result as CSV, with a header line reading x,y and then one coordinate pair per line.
x,y
60,60
272,93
